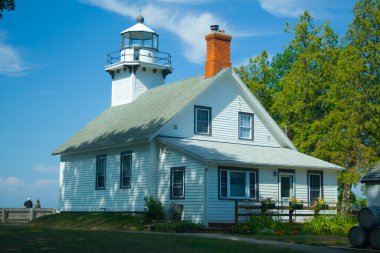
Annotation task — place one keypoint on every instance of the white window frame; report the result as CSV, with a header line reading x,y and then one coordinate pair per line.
x,y
247,183
250,115
309,184
172,186
202,108
123,154
98,158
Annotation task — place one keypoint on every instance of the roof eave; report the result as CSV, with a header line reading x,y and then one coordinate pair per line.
x,y
239,163
87,150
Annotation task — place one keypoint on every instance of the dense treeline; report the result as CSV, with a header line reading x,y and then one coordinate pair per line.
x,y
325,91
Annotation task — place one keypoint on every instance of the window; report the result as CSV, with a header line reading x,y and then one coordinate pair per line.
x,y
177,182
202,122
315,186
125,169
101,161
238,184
245,126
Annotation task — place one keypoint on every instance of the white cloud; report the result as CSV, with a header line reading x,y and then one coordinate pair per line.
x,y
11,63
44,183
15,190
11,182
188,26
294,8
43,168
283,8
186,1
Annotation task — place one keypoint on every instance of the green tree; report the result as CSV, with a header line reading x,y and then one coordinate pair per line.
x,y
8,5
326,93
258,76
303,101
357,92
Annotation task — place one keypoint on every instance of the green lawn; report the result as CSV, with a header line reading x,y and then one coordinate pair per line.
x,y
23,238
90,221
308,239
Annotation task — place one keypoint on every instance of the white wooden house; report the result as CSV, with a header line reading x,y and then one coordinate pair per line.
x,y
201,142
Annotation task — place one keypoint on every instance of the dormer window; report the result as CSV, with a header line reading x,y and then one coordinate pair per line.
x,y
202,120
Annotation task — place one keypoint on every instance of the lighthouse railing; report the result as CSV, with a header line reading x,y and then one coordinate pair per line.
x,y
118,56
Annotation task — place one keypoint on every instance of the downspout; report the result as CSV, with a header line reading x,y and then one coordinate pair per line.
x,y
205,196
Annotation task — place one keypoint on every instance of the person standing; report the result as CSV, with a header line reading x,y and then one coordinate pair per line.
x,y
28,203
38,204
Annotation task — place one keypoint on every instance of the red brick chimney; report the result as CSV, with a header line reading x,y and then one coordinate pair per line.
x,y
217,52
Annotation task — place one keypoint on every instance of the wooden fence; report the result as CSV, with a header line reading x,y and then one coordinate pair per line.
x,y
24,214
279,210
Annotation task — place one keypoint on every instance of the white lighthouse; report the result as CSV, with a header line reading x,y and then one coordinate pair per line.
x,y
138,65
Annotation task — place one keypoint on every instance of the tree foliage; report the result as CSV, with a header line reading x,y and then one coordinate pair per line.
x,y
8,5
326,91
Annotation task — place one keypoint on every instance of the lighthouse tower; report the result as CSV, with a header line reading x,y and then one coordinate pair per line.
x,y
138,65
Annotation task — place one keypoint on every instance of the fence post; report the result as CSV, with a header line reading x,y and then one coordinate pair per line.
x,y
31,214
3,215
236,212
291,211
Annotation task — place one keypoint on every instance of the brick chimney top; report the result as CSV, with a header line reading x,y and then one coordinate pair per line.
x,y
218,51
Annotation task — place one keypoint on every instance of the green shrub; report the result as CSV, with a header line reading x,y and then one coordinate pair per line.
x,y
178,227
263,224
322,224
153,210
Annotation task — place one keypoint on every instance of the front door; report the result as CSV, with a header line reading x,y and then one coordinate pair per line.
x,y
286,187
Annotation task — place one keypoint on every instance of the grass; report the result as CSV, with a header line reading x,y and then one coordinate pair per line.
x,y
91,221
21,238
66,231
308,239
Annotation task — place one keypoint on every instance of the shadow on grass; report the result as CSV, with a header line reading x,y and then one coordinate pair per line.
x,y
38,239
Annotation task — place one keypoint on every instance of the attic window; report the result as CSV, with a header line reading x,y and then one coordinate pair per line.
x,y
202,120
245,126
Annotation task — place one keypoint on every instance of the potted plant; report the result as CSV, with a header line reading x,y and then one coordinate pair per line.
x,y
295,204
320,204
268,203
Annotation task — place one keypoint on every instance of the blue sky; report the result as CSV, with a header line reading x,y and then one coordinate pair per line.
x,y
53,53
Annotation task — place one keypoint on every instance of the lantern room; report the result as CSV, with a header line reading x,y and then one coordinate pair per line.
x,y
140,36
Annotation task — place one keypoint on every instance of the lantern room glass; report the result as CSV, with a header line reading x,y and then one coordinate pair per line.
x,y
140,39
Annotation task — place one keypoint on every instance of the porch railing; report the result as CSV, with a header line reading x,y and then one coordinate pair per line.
x,y
24,214
278,210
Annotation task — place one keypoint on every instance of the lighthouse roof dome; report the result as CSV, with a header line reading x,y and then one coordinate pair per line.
x,y
139,27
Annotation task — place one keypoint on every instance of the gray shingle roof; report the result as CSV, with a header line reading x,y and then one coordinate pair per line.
x,y
235,154
373,175
139,120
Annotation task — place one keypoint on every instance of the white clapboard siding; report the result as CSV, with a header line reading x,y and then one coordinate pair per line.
x,y
121,88
226,102
330,188
78,175
373,194
147,80
194,183
219,210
